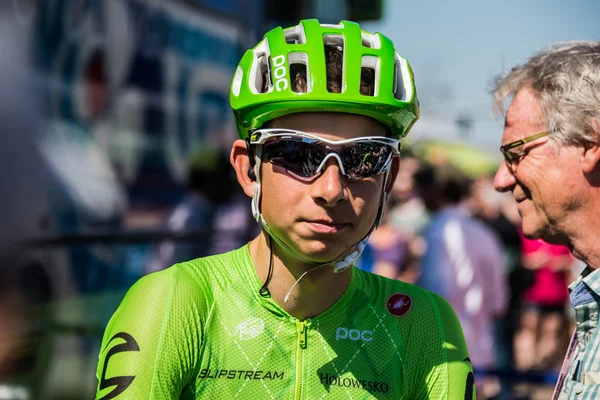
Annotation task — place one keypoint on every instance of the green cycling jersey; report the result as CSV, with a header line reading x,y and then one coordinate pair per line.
x,y
200,329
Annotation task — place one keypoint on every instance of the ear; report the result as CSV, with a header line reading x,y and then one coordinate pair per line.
x,y
590,157
392,175
241,164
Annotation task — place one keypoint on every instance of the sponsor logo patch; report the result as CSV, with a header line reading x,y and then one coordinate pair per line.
x,y
353,334
348,382
249,328
208,373
399,304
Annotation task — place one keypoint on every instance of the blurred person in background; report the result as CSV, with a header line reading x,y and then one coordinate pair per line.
x,y
393,250
288,315
551,147
388,252
408,214
463,262
87,196
498,211
210,187
542,317
492,208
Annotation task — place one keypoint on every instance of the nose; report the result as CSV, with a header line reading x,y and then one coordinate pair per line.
x,y
504,179
330,188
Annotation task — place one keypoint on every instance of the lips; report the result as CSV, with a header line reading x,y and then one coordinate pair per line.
x,y
325,225
521,194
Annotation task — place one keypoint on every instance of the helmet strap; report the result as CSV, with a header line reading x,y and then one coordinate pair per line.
x,y
256,163
382,202
264,290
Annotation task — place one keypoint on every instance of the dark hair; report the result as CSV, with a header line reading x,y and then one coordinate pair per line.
x,y
209,173
449,180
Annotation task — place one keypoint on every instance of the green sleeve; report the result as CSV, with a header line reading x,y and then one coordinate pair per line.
x,y
460,381
150,345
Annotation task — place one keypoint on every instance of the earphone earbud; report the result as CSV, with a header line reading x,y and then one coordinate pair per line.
x,y
251,174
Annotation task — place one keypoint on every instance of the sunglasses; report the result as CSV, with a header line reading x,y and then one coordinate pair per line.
x,y
305,155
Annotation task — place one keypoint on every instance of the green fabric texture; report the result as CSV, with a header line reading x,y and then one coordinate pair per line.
x,y
200,329
397,111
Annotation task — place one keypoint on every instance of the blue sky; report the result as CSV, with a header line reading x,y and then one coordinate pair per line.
x,y
456,48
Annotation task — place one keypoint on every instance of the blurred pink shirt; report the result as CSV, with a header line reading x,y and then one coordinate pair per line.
x,y
549,287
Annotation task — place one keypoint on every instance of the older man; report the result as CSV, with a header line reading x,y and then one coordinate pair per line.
x,y
551,147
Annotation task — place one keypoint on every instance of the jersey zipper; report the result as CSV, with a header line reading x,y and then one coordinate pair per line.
x,y
300,357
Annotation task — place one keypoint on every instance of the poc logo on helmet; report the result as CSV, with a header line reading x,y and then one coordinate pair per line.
x,y
279,73
353,334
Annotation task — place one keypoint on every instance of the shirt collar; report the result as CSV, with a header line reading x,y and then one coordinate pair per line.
x,y
586,288
589,276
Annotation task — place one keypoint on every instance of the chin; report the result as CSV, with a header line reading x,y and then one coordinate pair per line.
x,y
321,252
324,255
531,230
544,232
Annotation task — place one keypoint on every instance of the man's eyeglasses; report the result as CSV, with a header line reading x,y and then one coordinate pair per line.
x,y
508,150
305,155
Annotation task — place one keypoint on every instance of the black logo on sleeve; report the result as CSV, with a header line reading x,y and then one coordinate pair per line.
x,y
121,382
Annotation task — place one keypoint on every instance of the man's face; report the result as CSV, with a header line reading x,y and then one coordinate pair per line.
x,y
543,180
328,215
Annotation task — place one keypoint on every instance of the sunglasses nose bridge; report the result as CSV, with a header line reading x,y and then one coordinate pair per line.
x,y
329,155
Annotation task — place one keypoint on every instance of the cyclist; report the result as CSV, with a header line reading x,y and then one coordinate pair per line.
x,y
320,110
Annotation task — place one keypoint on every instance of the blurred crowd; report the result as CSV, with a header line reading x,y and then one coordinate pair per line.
x,y
455,235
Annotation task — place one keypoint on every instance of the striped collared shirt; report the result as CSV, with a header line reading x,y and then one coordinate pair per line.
x,y
584,382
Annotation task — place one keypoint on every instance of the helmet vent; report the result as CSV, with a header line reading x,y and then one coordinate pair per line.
x,y
334,55
300,82
334,40
292,39
237,81
402,79
299,85
369,76
263,80
370,40
295,35
258,72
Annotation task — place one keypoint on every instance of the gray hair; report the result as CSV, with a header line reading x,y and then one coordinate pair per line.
x,y
566,80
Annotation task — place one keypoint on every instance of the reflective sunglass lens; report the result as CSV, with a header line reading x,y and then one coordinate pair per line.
x,y
360,160
296,156
366,159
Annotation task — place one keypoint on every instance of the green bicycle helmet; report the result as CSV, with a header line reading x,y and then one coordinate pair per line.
x,y
394,102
